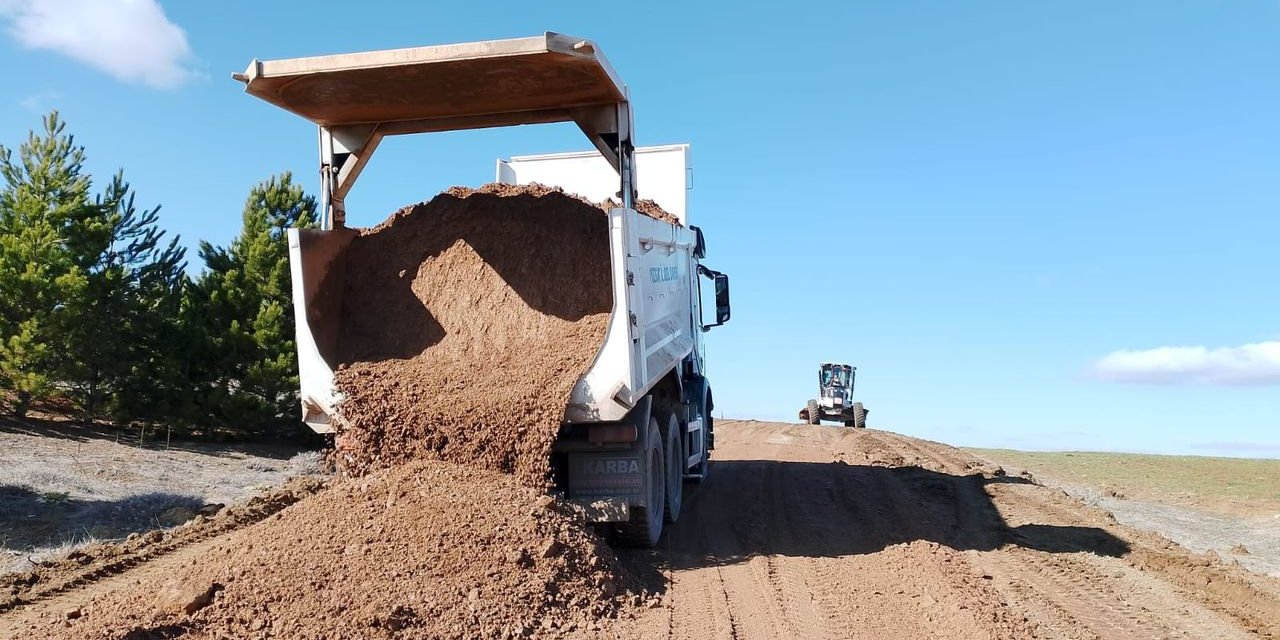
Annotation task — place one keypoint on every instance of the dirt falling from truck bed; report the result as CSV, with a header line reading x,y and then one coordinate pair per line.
x,y
465,323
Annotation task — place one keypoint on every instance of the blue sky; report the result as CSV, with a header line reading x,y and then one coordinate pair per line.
x,y
1035,225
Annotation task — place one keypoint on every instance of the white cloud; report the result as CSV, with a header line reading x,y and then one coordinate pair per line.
x,y
1250,364
129,39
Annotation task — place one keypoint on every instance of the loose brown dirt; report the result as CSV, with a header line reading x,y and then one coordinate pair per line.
x,y
95,562
466,321
820,532
800,532
425,550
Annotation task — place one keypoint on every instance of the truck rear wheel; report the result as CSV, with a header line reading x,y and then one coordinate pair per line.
x,y
703,468
814,414
645,526
676,461
859,416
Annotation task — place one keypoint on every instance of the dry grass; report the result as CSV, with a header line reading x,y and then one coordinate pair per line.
x,y
308,463
1235,486
62,488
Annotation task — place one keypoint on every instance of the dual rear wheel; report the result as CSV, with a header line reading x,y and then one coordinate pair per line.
x,y
665,458
677,460
645,526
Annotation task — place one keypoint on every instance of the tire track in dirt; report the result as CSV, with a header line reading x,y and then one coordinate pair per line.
x,y
793,577
1056,579
69,585
700,601
911,538
978,525
697,600
36,614
789,538
1109,607
1207,588
791,597
1150,593
92,566
727,565
1046,614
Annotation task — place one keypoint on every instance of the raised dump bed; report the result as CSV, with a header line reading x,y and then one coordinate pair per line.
x,y
636,422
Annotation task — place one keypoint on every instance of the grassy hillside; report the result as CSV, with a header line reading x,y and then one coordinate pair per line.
x,y
1229,485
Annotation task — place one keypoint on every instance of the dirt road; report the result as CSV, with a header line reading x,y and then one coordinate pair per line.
x,y
822,532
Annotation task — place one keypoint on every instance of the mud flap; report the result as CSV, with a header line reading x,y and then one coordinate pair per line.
x,y
606,474
612,475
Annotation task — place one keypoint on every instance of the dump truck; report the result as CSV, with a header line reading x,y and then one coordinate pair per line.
x,y
835,398
638,422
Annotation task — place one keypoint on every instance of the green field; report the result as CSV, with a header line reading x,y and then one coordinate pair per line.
x,y
1229,485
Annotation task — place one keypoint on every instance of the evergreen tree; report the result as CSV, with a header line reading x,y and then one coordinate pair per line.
x,y
127,345
244,307
95,307
46,220
89,290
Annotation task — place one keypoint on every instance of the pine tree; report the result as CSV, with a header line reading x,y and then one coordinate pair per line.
x,y
127,345
46,216
95,307
89,290
245,310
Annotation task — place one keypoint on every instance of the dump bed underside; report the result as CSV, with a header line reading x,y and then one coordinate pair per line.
x,y
535,79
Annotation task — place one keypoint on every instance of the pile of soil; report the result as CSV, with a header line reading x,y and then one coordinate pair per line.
x,y
465,323
425,550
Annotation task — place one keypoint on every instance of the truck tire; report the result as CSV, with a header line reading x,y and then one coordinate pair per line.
x,y
815,415
676,462
859,416
645,526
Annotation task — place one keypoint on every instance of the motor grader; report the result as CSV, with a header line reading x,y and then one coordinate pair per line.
x,y
835,398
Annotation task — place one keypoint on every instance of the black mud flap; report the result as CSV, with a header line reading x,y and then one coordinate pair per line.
x,y
612,473
607,474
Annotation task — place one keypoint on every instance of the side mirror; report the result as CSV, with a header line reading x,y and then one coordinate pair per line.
x,y
722,298
722,295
